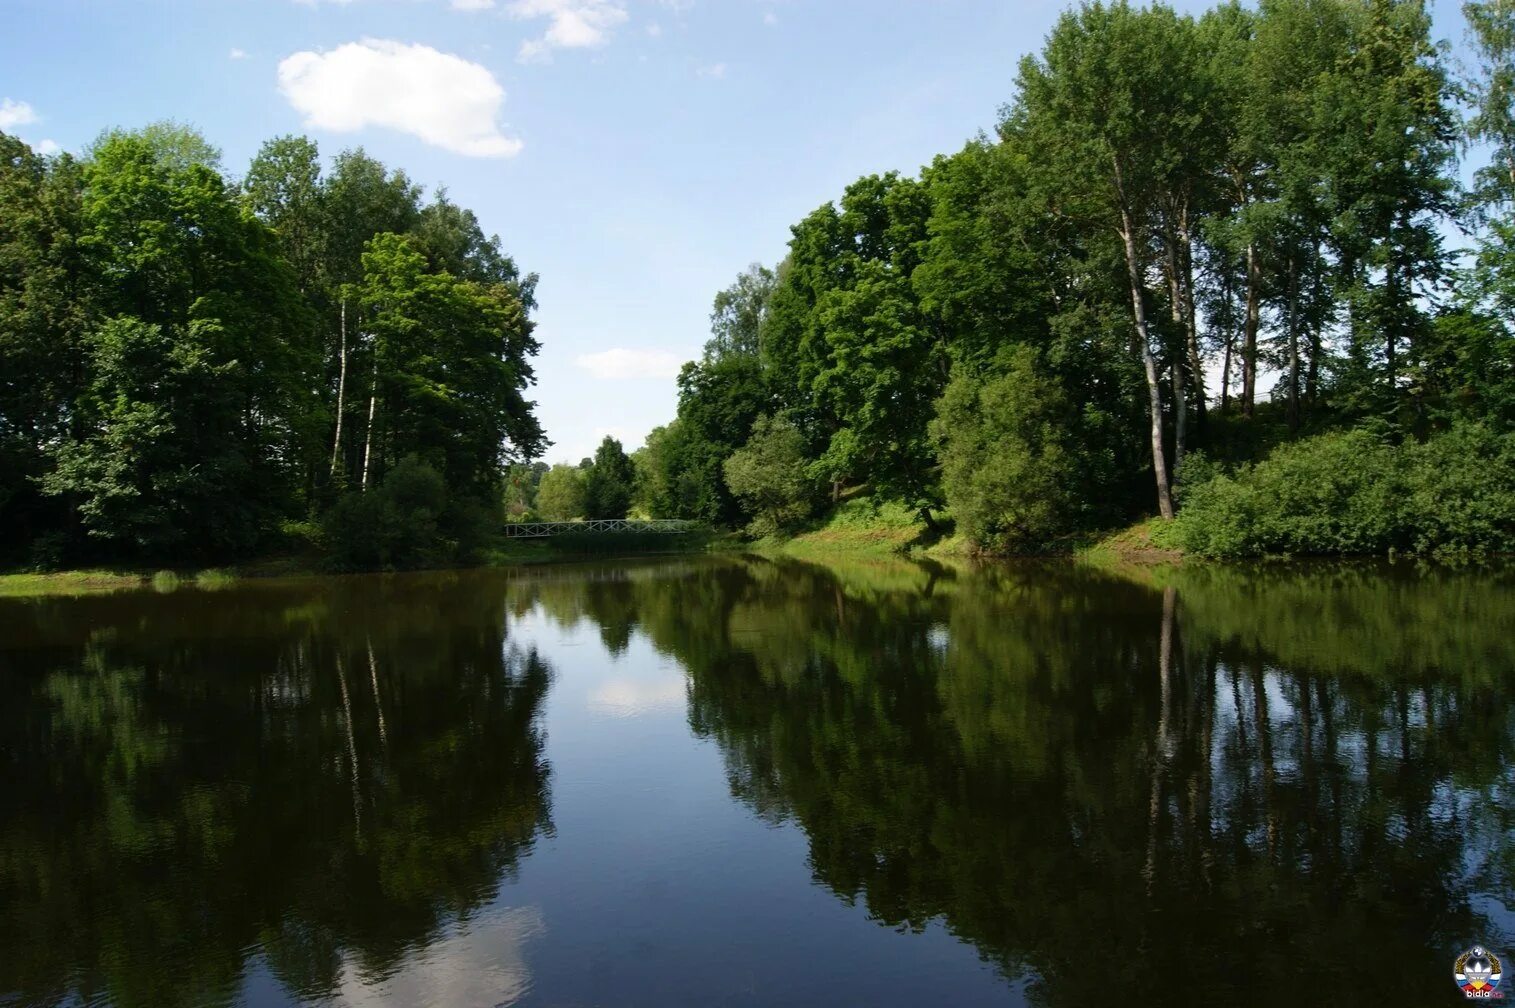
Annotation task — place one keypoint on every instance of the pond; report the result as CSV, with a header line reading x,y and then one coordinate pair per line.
x,y
752,781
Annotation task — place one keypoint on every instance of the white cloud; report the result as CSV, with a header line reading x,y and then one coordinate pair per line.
x,y
443,99
621,364
714,71
572,24
237,54
770,18
16,113
46,147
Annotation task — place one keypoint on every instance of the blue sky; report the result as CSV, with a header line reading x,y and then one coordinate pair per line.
x,y
636,153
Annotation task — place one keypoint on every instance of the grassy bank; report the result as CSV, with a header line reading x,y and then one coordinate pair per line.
x,y
1143,544
864,527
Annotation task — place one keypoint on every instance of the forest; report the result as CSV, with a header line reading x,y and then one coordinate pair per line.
x,y
196,369
1251,271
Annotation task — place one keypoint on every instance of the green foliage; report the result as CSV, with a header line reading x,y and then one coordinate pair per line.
x,y
609,482
768,476
163,468
560,497
410,520
173,144
736,318
1492,24
1354,493
1011,476
866,511
1262,192
186,366
719,401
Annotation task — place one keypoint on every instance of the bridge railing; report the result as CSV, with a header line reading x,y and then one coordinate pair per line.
x,y
608,526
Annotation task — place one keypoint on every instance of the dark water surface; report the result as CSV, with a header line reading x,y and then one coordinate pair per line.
x,y
752,782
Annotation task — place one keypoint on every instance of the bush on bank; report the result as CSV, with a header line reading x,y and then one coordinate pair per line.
x,y
1355,493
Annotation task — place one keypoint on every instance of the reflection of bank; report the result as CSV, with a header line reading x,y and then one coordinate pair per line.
x,y
482,963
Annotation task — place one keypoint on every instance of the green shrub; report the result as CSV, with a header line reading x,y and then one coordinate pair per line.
x,y
1011,477
768,475
409,520
1354,493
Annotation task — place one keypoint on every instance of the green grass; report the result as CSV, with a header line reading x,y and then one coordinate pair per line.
x,y
859,526
1135,551
83,582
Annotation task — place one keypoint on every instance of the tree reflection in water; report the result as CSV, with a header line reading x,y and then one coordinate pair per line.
x,y
1201,785
332,776
1219,788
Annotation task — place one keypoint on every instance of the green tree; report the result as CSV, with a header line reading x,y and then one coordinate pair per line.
x,y
768,475
560,497
1491,26
1010,471
174,144
44,307
609,483
448,370
196,411
1114,106
736,319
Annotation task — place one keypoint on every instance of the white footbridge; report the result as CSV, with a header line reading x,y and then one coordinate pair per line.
x,y
604,526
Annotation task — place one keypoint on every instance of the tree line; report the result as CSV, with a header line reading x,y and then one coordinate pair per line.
x,y
199,368
1192,242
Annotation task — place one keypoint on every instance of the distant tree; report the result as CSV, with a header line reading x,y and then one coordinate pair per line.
x,y
770,477
560,497
609,482
655,494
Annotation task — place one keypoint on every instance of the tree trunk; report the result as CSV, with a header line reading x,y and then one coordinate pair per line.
x,y
373,398
1180,315
1180,414
1225,370
1312,374
1293,346
1249,340
1391,281
1149,365
336,441
1190,320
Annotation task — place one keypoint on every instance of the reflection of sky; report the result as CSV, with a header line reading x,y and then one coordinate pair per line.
x,y
482,963
632,696
657,887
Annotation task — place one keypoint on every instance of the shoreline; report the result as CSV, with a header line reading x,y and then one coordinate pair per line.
x,y
1131,551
